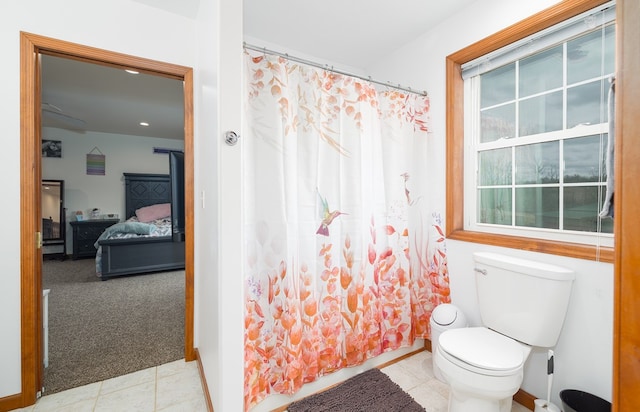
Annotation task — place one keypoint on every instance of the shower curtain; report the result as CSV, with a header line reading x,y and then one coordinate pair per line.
x,y
344,258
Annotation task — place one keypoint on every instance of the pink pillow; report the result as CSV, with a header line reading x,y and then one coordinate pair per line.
x,y
150,213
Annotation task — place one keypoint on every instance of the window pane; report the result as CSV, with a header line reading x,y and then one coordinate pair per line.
x,y
494,167
499,122
581,209
541,114
541,72
585,55
538,163
538,207
610,49
498,86
584,159
587,104
494,206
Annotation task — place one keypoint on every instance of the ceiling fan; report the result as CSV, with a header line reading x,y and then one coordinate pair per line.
x,y
53,116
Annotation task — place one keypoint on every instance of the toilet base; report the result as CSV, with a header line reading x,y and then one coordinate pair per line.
x,y
461,403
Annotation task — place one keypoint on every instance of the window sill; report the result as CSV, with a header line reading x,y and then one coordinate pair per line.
x,y
574,250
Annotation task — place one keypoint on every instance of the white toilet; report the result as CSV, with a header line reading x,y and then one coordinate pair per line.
x,y
522,304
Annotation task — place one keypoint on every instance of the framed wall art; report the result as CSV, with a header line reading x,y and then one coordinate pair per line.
x,y
51,148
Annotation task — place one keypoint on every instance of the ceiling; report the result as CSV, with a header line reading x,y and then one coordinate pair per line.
x,y
349,33
355,33
90,97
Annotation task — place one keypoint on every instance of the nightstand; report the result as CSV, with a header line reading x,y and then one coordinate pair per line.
x,y
85,234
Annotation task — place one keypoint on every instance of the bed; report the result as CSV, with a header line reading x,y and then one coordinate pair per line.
x,y
133,247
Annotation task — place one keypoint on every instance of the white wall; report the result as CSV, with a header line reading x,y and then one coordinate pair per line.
x,y
123,154
209,284
583,356
118,25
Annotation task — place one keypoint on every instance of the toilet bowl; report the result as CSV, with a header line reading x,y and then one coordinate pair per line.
x,y
522,304
483,367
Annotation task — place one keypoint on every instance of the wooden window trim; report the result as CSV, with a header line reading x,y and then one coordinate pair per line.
x,y
455,136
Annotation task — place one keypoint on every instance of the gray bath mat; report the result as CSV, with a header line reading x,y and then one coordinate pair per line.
x,y
369,391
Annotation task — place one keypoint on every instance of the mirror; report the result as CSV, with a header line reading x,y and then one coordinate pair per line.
x,y
53,217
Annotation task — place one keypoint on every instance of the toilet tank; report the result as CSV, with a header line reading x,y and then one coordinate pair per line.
x,y
523,299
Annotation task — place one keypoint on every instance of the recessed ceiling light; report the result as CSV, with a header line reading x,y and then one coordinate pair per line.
x,y
144,124
131,71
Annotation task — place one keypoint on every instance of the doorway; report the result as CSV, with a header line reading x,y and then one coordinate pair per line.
x,y
31,253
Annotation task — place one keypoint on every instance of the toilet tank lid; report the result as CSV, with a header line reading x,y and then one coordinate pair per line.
x,y
525,266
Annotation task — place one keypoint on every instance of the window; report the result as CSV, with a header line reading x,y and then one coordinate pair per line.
x,y
528,131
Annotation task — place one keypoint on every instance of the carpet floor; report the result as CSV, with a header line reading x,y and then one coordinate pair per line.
x,y
103,329
368,391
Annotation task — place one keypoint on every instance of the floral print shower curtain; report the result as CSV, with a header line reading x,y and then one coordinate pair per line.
x,y
344,258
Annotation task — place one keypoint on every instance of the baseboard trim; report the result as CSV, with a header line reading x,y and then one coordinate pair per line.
x,y
11,402
203,381
399,358
523,398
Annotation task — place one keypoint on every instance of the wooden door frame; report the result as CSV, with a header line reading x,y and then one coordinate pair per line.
x,y
31,46
626,325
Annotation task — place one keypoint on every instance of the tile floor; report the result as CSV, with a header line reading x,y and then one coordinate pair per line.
x,y
176,387
172,387
415,376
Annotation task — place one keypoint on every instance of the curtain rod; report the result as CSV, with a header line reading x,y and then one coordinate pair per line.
x,y
330,68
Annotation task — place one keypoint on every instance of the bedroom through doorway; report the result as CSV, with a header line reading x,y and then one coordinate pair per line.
x,y
98,330
163,297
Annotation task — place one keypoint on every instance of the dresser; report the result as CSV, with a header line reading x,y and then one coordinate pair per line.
x,y
85,234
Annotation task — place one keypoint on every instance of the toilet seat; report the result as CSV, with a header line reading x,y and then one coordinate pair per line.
x,y
482,351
